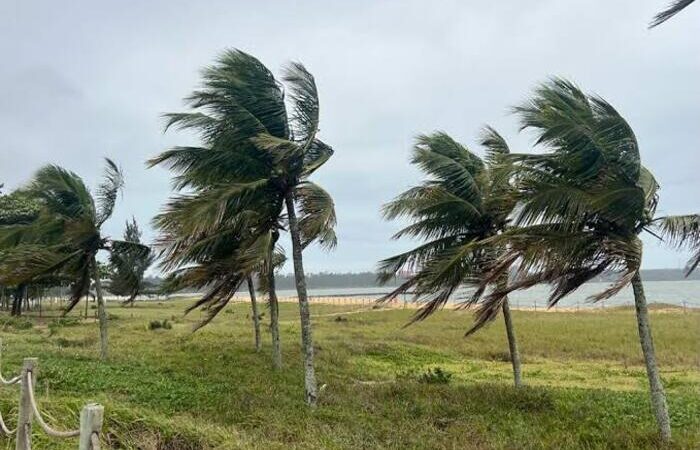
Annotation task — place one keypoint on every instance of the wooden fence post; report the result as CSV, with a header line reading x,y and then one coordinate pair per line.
x,y
24,421
91,418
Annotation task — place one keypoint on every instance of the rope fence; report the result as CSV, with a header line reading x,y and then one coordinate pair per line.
x,y
91,416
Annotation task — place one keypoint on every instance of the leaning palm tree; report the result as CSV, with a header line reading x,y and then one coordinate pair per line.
x,y
127,269
674,8
581,208
464,201
255,162
66,236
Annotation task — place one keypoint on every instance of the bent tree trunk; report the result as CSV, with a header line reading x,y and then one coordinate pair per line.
x,y
304,312
256,315
274,309
658,396
512,344
101,311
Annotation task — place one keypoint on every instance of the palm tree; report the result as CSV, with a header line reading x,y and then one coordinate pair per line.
x,y
255,161
673,8
464,201
66,236
128,268
581,208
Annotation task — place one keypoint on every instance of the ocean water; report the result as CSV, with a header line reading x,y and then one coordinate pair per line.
x,y
680,293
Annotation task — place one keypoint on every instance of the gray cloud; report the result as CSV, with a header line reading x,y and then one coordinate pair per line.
x,y
82,80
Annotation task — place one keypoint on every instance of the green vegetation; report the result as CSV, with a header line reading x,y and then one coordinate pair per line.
x,y
245,185
585,380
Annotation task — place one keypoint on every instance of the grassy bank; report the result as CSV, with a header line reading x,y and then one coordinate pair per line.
x,y
170,389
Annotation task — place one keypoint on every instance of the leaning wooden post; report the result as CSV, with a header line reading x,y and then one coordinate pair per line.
x,y
90,424
24,421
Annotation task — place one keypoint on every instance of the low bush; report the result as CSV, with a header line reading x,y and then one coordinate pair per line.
x,y
160,324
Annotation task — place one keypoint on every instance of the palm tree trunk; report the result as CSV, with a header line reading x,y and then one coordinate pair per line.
x,y
304,312
512,344
658,396
101,310
274,309
256,315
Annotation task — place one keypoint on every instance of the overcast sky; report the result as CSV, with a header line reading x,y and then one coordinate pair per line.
x,y
81,80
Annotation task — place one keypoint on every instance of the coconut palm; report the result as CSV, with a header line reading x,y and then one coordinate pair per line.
x,y
254,163
464,200
66,236
128,268
582,205
673,8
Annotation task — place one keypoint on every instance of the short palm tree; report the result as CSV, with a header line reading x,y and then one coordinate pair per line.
x,y
464,201
674,8
255,162
66,236
129,268
581,208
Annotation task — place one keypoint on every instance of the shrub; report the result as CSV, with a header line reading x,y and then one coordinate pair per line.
x,y
435,376
157,325
18,323
61,323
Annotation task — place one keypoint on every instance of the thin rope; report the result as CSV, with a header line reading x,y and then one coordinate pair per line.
x,y
47,429
11,380
14,380
6,430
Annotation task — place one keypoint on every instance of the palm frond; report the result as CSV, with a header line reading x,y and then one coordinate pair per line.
x,y
62,193
304,98
683,233
673,8
317,218
107,191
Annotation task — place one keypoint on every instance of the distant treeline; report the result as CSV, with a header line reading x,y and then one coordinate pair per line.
x,y
329,280
325,280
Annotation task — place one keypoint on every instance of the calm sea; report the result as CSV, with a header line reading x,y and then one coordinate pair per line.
x,y
672,292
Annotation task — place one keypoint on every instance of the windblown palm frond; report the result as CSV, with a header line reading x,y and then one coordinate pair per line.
x,y
305,105
682,232
317,215
107,191
63,193
673,8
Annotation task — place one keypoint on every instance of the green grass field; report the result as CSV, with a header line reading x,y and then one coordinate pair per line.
x,y
171,389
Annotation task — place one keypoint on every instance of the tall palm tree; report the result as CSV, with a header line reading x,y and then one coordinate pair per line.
x,y
673,8
581,208
255,162
463,201
66,236
129,268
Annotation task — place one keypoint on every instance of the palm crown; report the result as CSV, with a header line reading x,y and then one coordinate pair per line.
x,y
581,204
464,200
254,153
